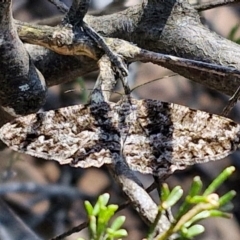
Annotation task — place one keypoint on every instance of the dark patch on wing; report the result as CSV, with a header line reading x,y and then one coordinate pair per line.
x,y
33,132
159,122
100,113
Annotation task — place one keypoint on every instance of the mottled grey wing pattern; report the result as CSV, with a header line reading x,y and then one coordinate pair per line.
x,y
67,135
165,134
150,135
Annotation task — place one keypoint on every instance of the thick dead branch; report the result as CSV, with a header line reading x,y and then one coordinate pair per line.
x,y
170,27
214,4
68,41
23,87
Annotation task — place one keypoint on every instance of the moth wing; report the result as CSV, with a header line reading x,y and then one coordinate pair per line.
x,y
67,135
170,136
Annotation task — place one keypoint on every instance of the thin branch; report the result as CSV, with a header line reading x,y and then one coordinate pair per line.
x,y
77,12
231,102
73,230
9,221
60,5
49,191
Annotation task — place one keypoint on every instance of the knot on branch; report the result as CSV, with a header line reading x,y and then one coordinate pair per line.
x,y
63,36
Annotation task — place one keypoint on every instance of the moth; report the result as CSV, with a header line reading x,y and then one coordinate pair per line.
x,y
151,136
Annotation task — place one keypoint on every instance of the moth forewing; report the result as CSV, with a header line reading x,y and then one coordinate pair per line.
x,y
176,136
199,136
64,135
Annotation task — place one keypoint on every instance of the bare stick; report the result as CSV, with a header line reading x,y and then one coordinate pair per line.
x,y
60,5
231,102
73,230
140,199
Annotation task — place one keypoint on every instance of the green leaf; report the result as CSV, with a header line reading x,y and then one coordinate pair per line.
x,y
195,189
174,196
226,198
198,217
219,180
101,221
88,207
104,198
118,222
198,199
217,213
96,209
117,234
93,226
107,212
194,231
196,186
164,192
100,204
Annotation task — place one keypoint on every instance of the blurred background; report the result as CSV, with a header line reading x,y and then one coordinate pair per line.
x,y
49,198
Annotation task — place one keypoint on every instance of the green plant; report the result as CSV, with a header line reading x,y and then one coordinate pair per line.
x,y
197,206
99,216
